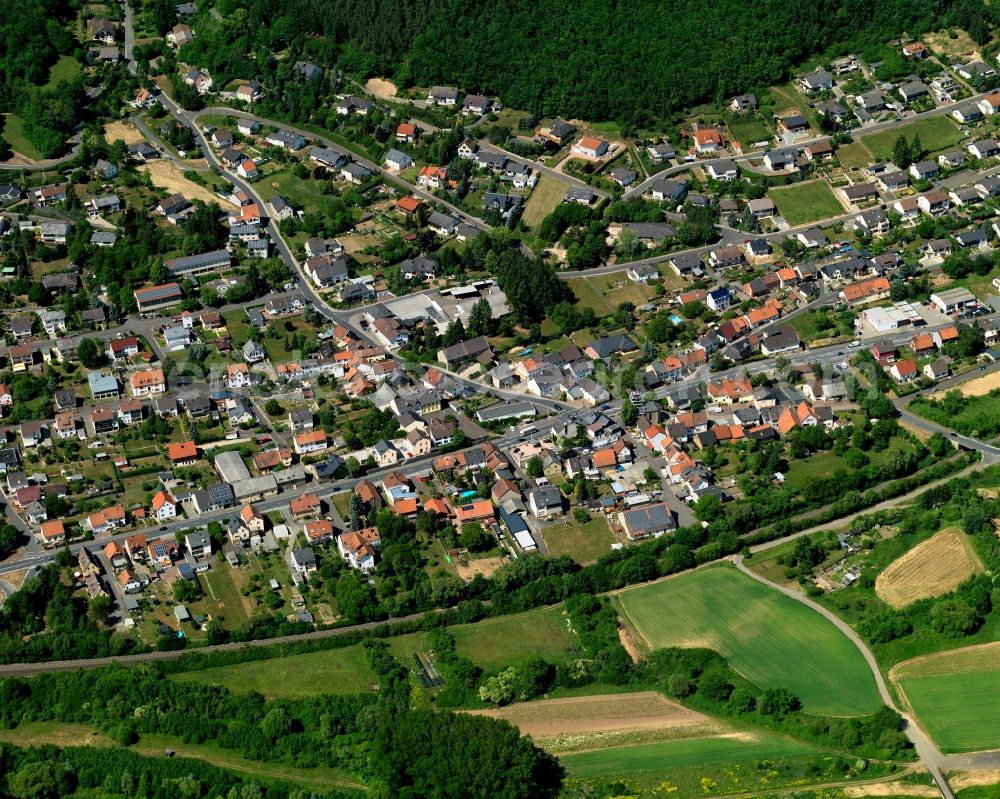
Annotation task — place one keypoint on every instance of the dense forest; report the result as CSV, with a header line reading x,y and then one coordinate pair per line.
x,y
630,62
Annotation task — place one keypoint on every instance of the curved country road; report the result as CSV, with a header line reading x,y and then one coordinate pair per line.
x,y
928,753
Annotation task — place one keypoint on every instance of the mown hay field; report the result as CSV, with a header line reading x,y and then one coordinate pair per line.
x,y
932,568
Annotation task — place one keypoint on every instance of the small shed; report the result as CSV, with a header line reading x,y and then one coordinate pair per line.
x,y
182,614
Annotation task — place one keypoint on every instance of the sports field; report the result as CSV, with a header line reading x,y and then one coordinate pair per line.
x,y
806,202
932,568
663,755
954,696
771,639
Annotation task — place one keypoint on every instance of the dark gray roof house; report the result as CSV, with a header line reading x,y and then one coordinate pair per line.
x,y
607,346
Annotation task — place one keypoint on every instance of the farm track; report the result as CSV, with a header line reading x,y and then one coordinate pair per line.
x,y
929,754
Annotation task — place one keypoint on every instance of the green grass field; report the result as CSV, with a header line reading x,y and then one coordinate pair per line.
x,y
491,644
66,68
582,542
806,202
854,154
302,193
587,296
702,752
954,696
338,671
936,133
544,199
771,639
313,778
748,130
495,643
13,132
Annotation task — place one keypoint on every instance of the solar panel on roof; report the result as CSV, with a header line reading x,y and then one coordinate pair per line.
x,y
158,292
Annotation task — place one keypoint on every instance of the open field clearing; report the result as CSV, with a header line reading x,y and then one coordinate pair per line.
x,y
936,133
586,714
382,89
156,746
125,131
584,543
701,752
544,199
854,154
893,789
932,568
954,696
977,387
588,297
167,175
483,566
42,733
339,671
962,45
492,644
971,779
496,643
806,202
65,69
13,132
771,639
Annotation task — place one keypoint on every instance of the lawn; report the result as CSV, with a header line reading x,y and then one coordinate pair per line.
x,y
219,586
582,542
854,154
616,288
338,671
954,695
544,199
748,130
809,327
771,639
13,132
589,297
806,202
239,327
936,133
303,193
342,504
66,68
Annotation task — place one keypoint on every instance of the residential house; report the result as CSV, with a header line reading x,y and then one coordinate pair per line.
x,y
545,502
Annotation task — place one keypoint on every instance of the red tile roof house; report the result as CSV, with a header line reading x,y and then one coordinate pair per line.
x,y
904,371
318,531
182,453
124,348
